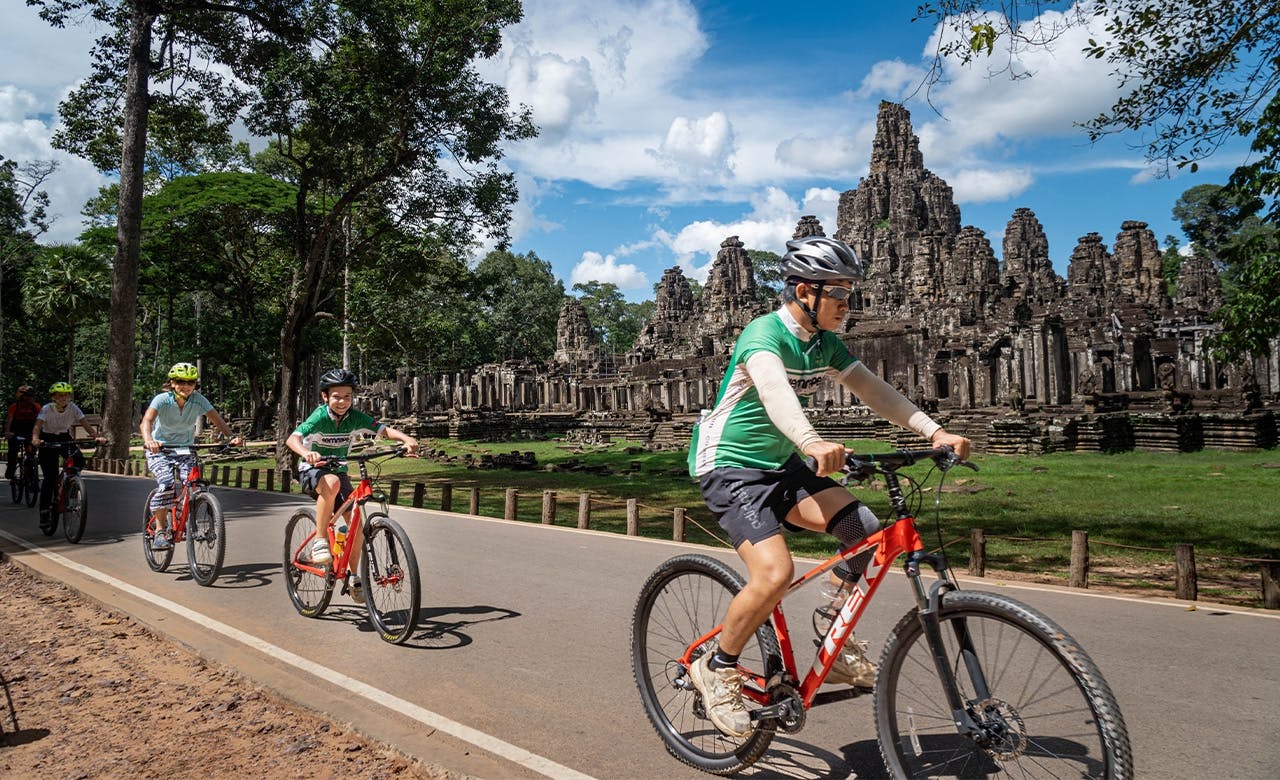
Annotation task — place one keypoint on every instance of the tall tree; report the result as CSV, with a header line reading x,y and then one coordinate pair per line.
x,y
23,218
1193,75
198,104
617,322
521,303
384,108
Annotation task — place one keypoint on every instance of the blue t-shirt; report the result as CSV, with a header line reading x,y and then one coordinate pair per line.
x,y
177,427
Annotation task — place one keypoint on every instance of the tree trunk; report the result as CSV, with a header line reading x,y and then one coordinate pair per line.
x,y
118,411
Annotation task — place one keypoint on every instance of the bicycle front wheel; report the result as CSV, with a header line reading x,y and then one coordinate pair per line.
x,y
309,592
206,538
75,508
158,560
1041,705
31,475
392,585
684,599
18,483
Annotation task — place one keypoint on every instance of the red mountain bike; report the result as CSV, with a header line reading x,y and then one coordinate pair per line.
x,y
196,516
70,505
970,684
388,566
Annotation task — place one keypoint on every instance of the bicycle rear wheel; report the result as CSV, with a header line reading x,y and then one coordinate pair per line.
x,y
392,584
206,538
75,508
309,592
684,599
1046,710
158,560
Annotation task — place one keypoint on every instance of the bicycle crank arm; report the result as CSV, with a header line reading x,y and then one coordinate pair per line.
x,y
786,711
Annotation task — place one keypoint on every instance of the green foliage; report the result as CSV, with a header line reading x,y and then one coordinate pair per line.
x,y
66,286
768,271
1250,316
520,303
1171,265
615,322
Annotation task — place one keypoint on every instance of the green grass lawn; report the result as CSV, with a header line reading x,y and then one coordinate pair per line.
x,y
1223,503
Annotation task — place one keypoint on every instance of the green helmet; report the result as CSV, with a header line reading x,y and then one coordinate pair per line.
x,y
184,371
59,387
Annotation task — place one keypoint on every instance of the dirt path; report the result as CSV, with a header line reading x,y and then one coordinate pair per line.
x,y
89,693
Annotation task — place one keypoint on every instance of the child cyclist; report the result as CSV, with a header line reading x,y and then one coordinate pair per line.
x,y
328,433
170,421
54,423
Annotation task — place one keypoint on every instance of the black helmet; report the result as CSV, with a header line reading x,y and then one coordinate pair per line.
x,y
337,376
820,259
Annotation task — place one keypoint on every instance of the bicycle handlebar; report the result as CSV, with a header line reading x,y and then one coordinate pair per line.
x,y
362,456
861,466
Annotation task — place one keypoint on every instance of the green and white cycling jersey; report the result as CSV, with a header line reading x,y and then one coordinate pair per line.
x,y
331,437
737,432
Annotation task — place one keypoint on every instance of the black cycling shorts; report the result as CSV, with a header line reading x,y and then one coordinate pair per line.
x,y
751,505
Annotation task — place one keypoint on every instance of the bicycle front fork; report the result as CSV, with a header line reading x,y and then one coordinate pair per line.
x,y
928,606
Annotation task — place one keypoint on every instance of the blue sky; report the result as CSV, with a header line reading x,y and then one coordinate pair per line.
x,y
668,125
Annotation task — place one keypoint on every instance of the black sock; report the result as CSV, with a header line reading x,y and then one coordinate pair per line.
x,y
720,660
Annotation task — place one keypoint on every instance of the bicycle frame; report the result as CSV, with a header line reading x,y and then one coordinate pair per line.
x,y
893,540
354,504
183,490
67,449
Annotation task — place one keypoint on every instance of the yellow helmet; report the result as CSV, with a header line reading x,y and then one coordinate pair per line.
x,y
184,371
59,387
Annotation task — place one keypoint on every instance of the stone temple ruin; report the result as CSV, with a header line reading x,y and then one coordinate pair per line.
x,y
1011,354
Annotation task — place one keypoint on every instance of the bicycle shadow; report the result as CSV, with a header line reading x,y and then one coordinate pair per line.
x,y
245,575
16,735
437,633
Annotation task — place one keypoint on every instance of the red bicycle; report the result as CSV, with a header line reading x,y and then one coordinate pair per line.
x,y
388,567
70,504
970,684
196,516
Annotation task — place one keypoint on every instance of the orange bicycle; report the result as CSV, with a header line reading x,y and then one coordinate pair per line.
x,y
388,567
970,684
196,517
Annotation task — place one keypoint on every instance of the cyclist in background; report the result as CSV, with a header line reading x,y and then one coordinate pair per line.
x,y
170,421
53,424
744,452
329,432
20,421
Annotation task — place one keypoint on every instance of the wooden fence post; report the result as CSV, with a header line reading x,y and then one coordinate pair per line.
x,y
584,510
253,479
213,475
677,525
395,492
418,490
977,553
285,476
239,476
446,497
271,479
633,517
1184,564
1079,559
548,507
473,505
1271,585
509,509
225,472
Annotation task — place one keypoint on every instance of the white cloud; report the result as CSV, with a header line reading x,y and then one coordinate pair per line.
x,y
822,155
980,185
768,226
698,146
559,91
605,269
893,78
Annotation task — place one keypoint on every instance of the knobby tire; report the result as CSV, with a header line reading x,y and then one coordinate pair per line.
x,y
1047,709
310,593
392,582
75,508
206,538
682,600
158,560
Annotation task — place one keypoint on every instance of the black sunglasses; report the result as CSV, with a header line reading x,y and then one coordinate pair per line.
x,y
838,293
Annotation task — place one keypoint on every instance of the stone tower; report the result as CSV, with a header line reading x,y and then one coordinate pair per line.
x,y
574,340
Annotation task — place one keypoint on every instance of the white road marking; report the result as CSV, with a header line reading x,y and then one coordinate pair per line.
x,y
492,744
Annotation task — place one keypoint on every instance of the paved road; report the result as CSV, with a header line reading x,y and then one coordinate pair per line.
x,y
521,668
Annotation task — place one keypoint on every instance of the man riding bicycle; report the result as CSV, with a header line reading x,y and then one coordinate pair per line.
x,y
19,422
744,452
